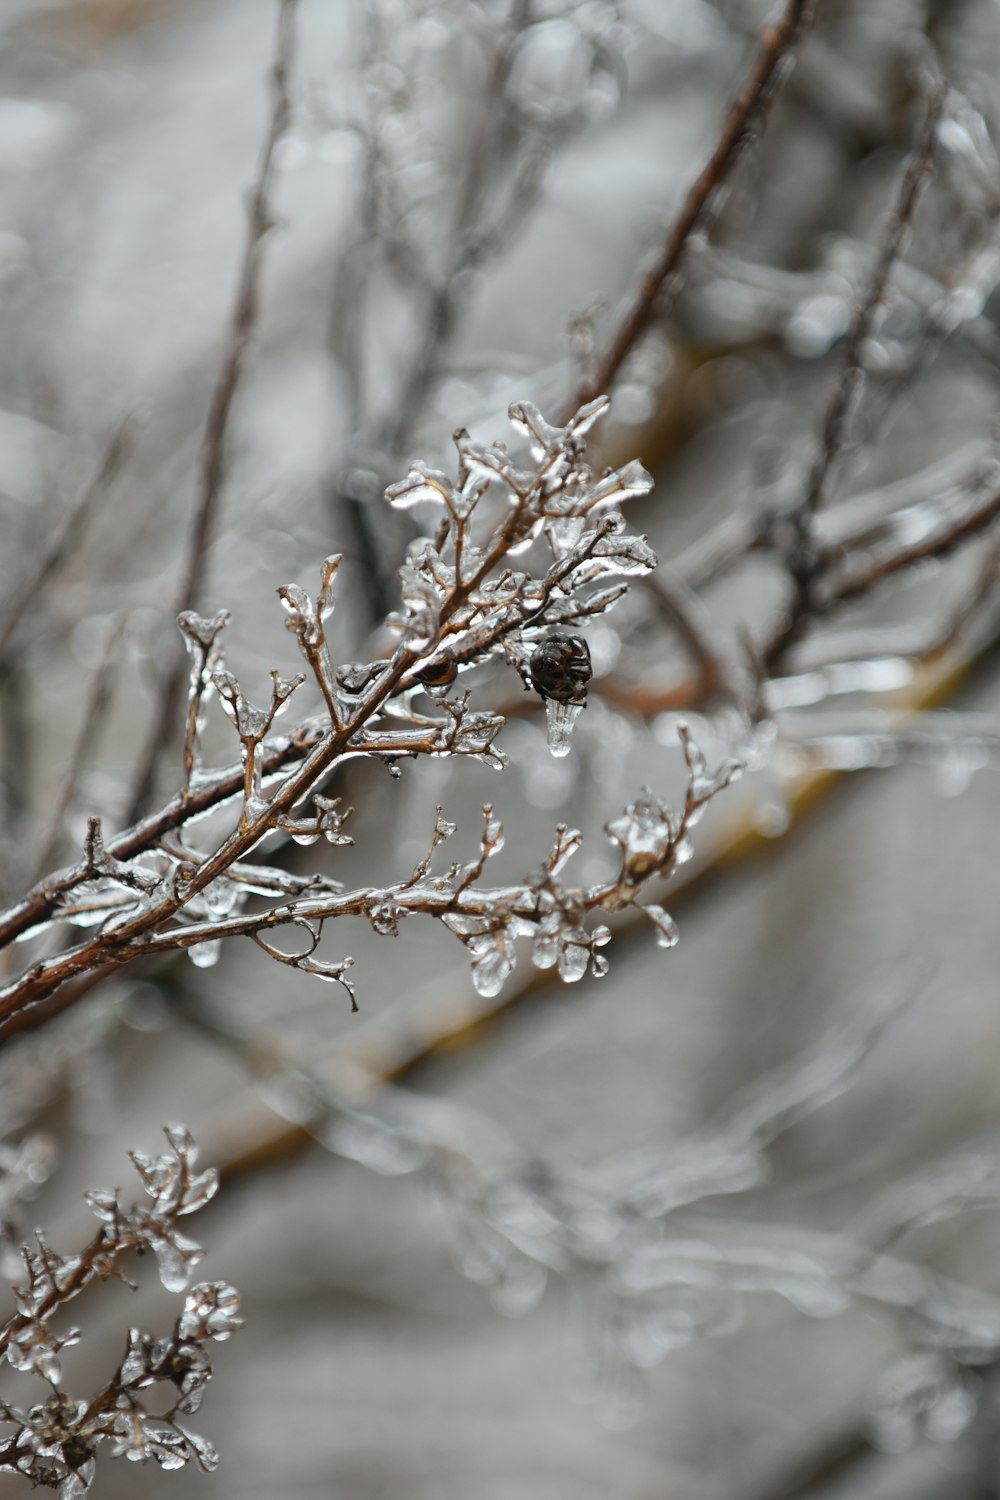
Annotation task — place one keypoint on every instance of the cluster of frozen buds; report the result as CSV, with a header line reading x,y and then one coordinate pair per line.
x,y
462,601
55,1442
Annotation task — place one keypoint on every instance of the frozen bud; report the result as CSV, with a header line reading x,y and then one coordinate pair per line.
x,y
560,668
300,613
355,678
666,928
211,1311
200,631
490,971
645,833
422,485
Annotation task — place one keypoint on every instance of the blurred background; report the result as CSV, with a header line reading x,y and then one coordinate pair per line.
x,y
722,1224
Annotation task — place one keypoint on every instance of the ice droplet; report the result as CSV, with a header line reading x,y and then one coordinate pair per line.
x,y
206,955
574,960
683,851
489,973
173,1265
560,719
667,935
519,1289
773,817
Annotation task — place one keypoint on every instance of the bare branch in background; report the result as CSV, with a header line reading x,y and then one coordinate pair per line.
x,y
216,437
747,113
69,534
802,563
91,724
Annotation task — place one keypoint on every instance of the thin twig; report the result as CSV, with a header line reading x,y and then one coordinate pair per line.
x,y
871,313
472,244
473,241
854,578
346,737
802,560
93,718
66,539
745,116
687,614
215,445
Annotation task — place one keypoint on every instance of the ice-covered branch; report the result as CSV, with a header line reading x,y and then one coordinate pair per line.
x,y
467,598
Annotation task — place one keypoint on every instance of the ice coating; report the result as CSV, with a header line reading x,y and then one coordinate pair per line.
x,y
560,719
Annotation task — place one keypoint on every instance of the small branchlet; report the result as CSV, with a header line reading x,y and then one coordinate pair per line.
x,y
201,639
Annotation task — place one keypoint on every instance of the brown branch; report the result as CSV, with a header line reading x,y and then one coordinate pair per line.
x,y
683,609
343,738
802,559
39,904
745,116
215,444
314,749
871,312
859,578
314,752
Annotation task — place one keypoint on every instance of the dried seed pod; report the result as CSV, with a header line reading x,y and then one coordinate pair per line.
x,y
560,668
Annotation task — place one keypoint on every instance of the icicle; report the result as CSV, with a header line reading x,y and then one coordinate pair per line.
x,y
561,718
206,955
